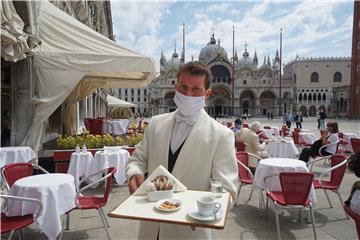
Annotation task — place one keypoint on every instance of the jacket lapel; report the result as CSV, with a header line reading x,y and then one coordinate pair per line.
x,y
183,161
165,131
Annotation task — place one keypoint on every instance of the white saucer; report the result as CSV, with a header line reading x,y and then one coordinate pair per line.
x,y
158,203
197,216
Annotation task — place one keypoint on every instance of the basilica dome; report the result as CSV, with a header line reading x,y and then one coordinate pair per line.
x,y
211,51
246,61
174,63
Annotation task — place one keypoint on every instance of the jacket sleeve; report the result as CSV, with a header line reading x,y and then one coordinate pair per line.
x,y
138,162
225,165
255,144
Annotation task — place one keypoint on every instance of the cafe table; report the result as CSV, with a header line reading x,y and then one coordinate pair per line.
x,y
80,163
16,154
139,208
281,148
56,192
112,158
307,137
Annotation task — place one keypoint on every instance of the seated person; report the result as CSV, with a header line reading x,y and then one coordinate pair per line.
x,y
354,199
330,135
252,143
238,124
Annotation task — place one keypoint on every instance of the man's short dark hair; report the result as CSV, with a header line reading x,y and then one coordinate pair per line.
x,y
238,121
198,69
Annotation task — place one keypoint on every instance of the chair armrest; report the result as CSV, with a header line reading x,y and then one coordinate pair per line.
x,y
326,172
37,201
266,178
88,177
253,155
246,168
40,168
327,145
316,160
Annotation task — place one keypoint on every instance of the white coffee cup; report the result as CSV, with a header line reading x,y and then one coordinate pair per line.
x,y
207,206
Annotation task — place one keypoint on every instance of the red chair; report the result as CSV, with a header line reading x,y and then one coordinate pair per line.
x,y
240,146
337,171
297,130
94,202
295,190
355,144
298,142
245,125
261,134
94,125
14,171
245,175
229,124
354,216
12,224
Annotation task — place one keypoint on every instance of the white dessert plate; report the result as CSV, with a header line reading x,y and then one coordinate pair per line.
x,y
161,204
195,214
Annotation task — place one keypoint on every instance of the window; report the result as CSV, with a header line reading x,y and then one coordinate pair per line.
x,y
125,92
314,77
244,82
310,98
314,97
324,97
337,77
305,97
138,99
173,82
358,68
300,97
126,99
138,92
319,97
144,99
132,92
306,66
145,92
132,99
264,81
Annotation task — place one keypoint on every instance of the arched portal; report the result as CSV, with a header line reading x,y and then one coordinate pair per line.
x,y
218,103
312,111
247,102
267,102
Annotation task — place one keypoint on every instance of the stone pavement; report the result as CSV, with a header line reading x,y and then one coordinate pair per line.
x,y
245,221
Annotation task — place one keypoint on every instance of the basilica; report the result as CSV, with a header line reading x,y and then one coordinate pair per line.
x,y
255,91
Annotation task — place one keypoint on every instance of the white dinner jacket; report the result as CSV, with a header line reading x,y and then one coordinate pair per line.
x,y
208,152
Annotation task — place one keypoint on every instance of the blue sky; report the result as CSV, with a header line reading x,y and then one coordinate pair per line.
x,y
310,28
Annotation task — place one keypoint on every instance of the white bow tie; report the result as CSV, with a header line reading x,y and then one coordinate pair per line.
x,y
189,120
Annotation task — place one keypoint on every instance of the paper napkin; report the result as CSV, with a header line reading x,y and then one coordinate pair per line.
x,y
160,170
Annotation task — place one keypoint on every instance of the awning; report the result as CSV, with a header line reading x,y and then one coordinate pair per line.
x,y
116,102
73,60
13,38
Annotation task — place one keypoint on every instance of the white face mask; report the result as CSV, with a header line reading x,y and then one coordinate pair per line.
x,y
189,105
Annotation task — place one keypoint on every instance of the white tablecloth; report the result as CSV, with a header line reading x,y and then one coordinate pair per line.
x,y
105,159
116,126
348,137
276,131
15,154
285,148
305,130
55,191
306,137
80,165
269,166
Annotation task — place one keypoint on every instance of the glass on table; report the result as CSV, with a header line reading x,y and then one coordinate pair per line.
x,y
217,187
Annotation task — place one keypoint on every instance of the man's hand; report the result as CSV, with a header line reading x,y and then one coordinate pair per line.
x,y
135,182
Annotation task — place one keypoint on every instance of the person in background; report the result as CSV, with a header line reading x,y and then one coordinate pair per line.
x,y
191,145
322,118
330,135
238,124
288,119
252,143
318,119
298,119
354,199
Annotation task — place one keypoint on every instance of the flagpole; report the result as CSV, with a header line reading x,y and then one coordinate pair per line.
x,y
280,96
233,74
